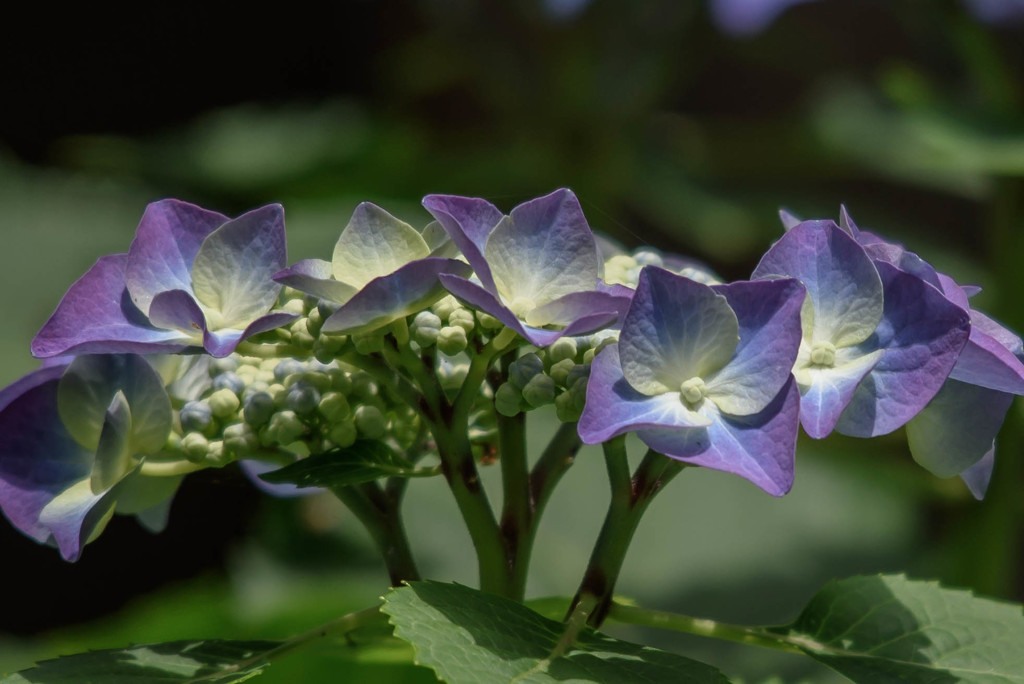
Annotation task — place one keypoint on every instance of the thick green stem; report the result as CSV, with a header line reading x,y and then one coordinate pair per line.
x,y
379,514
558,457
629,501
707,628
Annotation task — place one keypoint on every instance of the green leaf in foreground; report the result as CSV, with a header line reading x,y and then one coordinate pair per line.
x,y
364,461
889,629
469,637
196,662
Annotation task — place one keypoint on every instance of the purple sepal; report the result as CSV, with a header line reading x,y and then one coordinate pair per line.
x,y
98,315
479,298
177,310
314,276
387,298
760,448
165,245
828,395
922,334
978,475
575,305
468,222
38,457
613,407
221,343
768,313
957,428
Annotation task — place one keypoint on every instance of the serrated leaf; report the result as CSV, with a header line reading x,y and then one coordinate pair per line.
x,y
469,637
194,662
364,461
887,628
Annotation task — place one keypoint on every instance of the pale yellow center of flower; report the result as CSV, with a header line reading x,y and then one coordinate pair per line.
x,y
823,354
521,306
692,391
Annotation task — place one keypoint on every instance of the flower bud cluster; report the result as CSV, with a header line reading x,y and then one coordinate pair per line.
x,y
257,405
624,269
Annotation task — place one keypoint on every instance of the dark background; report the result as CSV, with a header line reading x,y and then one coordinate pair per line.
x,y
674,131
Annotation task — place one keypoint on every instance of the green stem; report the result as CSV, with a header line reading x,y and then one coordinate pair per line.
x,y
707,628
395,384
629,501
379,514
170,468
558,457
271,351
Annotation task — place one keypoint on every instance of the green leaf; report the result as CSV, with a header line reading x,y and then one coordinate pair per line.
x,y
364,461
195,662
469,637
888,628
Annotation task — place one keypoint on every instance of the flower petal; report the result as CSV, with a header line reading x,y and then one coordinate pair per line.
x,y
956,429
842,284
826,392
177,310
543,250
97,315
468,221
978,475
233,271
760,448
165,245
38,457
313,276
574,305
613,407
768,314
675,329
374,243
922,334
411,288
77,515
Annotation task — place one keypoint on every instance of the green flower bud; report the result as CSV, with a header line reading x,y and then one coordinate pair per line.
x,y
217,455
327,347
282,369
225,365
229,380
508,400
314,321
240,440
334,407
566,409
425,328
452,339
578,391
560,371
343,434
195,416
522,370
285,427
295,306
370,422
195,447
487,321
258,408
540,391
368,343
563,348
445,306
173,443
302,398
278,393
464,319
340,380
223,403
300,337
578,372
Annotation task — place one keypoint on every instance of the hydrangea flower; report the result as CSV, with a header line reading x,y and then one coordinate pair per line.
x,y
382,270
702,374
72,440
955,433
538,268
191,277
878,342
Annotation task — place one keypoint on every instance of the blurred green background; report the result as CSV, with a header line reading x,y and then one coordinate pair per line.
x,y
684,125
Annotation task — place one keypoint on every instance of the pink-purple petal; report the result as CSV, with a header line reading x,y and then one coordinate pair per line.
x,y
760,448
97,315
468,221
922,334
165,245
384,299
613,407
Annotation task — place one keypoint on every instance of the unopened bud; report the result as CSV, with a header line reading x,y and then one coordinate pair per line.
x,y
285,427
563,348
565,408
539,391
508,400
445,306
559,372
258,408
313,322
452,339
229,381
224,365
464,319
425,328
370,422
194,446
294,306
287,367
195,416
223,403
216,454
522,370
334,407
368,343
302,398
240,440
487,321
344,434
